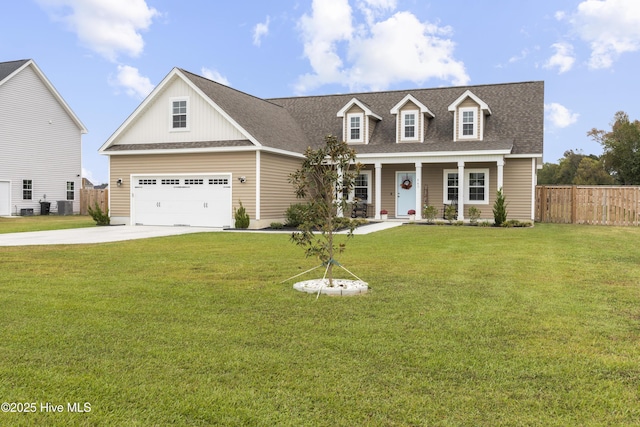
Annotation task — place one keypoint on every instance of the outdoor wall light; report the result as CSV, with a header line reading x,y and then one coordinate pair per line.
x,y
242,179
119,182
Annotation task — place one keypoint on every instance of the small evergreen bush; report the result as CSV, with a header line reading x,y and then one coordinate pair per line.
x,y
241,216
429,213
101,218
450,213
499,209
474,214
295,214
277,226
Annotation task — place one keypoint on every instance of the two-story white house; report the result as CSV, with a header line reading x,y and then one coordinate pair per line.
x,y
40,142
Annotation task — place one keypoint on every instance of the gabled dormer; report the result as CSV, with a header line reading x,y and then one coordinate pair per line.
x,y
358,122
469,113
411,119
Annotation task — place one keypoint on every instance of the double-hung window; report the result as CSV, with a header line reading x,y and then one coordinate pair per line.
x,y
70,190
476,186
179,114
362,187
468,123
27,189
355,127
409,126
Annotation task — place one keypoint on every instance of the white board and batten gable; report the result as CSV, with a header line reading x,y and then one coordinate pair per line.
x,y
153,121
40,141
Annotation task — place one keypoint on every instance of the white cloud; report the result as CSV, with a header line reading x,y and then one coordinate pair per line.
x,y
108,27
261,30
559,115
611,27
134,84
375,53
563,59
215,76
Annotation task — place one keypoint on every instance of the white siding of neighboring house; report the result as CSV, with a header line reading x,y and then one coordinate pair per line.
x,y
38,141
203,121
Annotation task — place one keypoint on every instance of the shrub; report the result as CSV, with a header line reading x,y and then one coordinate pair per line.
x,y
429,213
499,209
277,226
474,214
295,215
512,223
101,218
450,213
241,216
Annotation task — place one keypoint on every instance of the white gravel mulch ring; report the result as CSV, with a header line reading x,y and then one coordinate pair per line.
x,y
341,287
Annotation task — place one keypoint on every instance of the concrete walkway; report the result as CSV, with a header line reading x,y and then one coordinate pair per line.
x,y
75,236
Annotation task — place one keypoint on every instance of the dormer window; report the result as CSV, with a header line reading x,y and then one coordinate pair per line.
x,y
355,127
409,123
469,126
469,114
411,119
358,122
179,114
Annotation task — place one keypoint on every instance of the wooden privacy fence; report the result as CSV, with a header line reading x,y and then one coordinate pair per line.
x,y
601,205
89,197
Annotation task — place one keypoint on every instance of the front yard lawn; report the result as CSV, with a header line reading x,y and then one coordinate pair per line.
x,y
19,224
463,326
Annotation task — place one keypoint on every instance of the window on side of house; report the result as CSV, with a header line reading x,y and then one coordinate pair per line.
x,y
355,129
179,114
468,123
409,126
27,189
70,190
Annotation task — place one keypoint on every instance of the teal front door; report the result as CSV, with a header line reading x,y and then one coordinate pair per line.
x,y
405,192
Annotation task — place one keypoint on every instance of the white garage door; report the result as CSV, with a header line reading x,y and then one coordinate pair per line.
x,y
195,200
5,198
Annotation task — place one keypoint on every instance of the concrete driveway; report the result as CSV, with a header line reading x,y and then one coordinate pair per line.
x,y
75,236
95,235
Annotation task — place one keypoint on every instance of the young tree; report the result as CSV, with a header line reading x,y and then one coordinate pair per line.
x,y
621,148
499,209
325,180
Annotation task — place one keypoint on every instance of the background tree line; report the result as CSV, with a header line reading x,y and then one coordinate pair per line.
x,y
619,163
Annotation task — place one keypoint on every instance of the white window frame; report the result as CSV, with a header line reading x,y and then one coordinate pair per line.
x,y
71,190
352,195
467,182
171,113
416,125
475,123
349,128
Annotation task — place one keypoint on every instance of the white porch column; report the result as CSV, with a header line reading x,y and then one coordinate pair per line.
x,y
461,191
500,173
378,172
418,190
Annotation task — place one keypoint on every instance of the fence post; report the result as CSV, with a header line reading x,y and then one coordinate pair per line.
x,y
543,203
574,203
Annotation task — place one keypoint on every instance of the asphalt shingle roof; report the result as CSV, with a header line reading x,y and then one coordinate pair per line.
x,y
6,68
295,123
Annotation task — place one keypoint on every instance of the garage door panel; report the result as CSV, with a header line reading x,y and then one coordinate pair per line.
x,y
182,200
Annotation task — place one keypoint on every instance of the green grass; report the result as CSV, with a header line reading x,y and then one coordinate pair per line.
x,y
464,326
18,224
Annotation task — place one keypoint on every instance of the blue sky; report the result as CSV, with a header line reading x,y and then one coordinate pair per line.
x,y
105,56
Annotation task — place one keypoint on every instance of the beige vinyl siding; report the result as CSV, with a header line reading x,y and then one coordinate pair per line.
x,y
276,193
238,164
204,122
518,188
39,141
